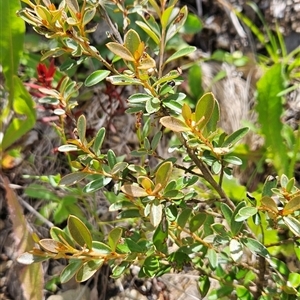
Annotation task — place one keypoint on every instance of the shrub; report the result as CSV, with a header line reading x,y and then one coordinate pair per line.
x,y
187,199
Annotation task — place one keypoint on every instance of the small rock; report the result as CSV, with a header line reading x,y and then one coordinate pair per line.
x,y
81,293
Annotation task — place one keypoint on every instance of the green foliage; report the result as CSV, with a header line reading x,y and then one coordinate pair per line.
x,y
180,202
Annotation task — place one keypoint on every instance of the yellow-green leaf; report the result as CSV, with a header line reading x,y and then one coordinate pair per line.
x,y
134,190
291,206
79,232
174,124
204,109
52,246
155,214
120,50
132,41
149,31
163,173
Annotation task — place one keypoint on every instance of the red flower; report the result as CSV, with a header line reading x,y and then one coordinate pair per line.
x,y
45,75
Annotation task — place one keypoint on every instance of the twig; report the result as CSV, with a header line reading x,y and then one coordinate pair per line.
x,y
36,213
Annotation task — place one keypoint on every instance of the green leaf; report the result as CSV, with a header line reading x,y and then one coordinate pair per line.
x,y
132,41
11,43
88,269
197,221
194,78
114,238
152,105
192,25
70,270
120,50
292,224
179,259
97,184
182,52
118,270
133,246
73,178
129,214
236,250
174,124
270,109
204,109
227,212
81,128
212,258
123,80
270,183
236,136
111,157
163,173
234,225
230,159
160,236
294,280
149,31
156,139
243,293
59,235
79,232
96,77
23,106
183,217
204,285
177,23
291,206
245,213
165,18
99,141
88,15
280,266
256,247
211,126
100,247
155,214
151,266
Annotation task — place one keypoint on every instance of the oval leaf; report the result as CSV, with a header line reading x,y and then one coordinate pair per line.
x,y
81,128
245,213
197,221
155,214
114,237
204,109
52,245
120,50
132,41
79,232
180,53
292,224
174,124
96,77
292,206
163,173
88,269
256,247
73,178
236,250
70,270
100,248
134,190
